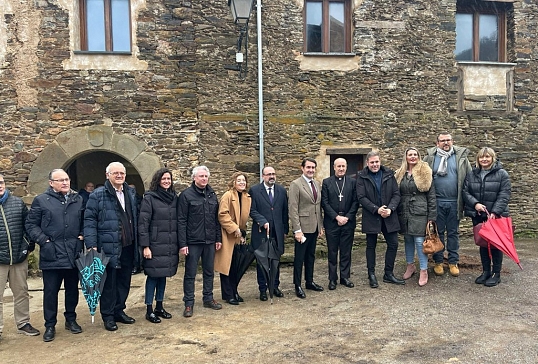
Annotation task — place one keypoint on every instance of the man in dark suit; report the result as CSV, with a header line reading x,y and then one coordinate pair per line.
x,y
269,212
379,196
307,225
340,204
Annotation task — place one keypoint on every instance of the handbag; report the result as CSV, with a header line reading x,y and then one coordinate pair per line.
x,y
478,240
432,244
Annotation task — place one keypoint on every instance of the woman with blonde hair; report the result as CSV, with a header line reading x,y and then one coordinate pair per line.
x,y
234,210
417,207
486,192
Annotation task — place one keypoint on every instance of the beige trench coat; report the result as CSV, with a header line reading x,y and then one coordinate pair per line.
x,y
230,222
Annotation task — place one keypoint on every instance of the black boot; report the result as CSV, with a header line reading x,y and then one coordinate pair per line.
x,y
372,280
494,280
483,277
390,278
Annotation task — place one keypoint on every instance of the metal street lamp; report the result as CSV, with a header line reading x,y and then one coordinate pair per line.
x,y
241,10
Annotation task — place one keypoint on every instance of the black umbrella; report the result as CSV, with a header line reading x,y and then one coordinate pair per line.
x,y
242,258
268,258
92,270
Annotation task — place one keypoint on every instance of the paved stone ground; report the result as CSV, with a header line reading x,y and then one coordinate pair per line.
x,y
449,320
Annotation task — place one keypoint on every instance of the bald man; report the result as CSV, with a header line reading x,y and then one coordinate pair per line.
x,y
340,204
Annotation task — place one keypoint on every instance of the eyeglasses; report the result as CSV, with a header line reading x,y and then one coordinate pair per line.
x,y
445,140
269,174
2,183
63,180
117,173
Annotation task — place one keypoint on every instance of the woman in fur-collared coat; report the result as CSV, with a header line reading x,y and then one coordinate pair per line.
x,y
417,207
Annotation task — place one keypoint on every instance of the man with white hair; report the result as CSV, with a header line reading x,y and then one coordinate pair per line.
x,y
110,226
199,236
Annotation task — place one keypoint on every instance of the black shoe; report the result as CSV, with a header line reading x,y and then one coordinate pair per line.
x,y
73,327
136,271
372,280
332,285
49,334
188,311
494,280
299,292
152,317
346,282
239,298
213,304
111,325
233,301
162,313
278,293
483,277
263,295
314,287
390,278
124,319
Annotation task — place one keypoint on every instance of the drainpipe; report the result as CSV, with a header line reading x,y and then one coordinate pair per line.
x,y
260,83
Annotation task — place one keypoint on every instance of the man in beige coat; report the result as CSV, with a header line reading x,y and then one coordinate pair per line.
x,y
307,224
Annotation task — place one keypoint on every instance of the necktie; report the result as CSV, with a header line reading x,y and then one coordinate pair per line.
x,y
314,192
270,194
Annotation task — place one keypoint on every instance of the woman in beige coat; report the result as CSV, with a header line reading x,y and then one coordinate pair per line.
x,y
234,209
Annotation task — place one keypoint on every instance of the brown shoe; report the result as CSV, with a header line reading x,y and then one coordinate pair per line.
x,y
213,304
438,269
188,311
454,270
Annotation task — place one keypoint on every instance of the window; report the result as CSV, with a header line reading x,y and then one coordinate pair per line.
x,y
328,26
481,31
105,25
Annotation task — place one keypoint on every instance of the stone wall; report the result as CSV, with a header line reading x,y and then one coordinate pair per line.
x,y
399,89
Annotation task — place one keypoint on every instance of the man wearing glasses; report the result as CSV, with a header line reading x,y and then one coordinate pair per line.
x,y
269,212
110,226
450,166
55,223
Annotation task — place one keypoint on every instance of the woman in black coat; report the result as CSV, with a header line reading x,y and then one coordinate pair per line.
x,y
487,190
157,232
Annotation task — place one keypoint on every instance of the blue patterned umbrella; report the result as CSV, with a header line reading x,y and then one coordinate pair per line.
x,y
92,271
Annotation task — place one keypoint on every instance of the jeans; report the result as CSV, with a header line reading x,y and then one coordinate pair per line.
x,y
447,221
410,243
155,285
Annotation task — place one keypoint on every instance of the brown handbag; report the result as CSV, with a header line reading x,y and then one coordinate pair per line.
x,y
432,244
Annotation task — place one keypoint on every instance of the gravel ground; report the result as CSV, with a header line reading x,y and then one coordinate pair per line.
x,y
449,320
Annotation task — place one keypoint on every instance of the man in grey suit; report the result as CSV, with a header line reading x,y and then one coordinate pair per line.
x,y
269,212
340,204
305,216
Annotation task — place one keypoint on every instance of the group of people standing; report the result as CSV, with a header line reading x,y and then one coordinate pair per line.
x,y
200,227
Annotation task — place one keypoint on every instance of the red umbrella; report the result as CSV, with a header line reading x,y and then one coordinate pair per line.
x,y
499,233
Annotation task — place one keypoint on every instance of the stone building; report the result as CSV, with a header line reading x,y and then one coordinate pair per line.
x,y
149,83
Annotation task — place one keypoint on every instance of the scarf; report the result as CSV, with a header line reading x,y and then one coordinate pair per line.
x,y
166,195
4,197
443,164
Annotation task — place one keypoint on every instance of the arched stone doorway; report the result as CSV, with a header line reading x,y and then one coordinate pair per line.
x,y
95,147
91,167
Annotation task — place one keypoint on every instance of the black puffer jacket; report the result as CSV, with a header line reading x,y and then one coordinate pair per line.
x,y
198,221
55,224
102,224
13,243
493,191
157,228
